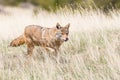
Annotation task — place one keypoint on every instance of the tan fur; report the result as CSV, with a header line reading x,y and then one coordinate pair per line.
x,y
18,41
35,35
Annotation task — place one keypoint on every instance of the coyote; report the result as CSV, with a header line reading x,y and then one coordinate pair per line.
x,y
49,38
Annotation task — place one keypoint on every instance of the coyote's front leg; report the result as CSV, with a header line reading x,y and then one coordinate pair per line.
x,y
52,51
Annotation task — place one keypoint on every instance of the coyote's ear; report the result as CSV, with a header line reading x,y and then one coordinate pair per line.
x,y
58,26
68,25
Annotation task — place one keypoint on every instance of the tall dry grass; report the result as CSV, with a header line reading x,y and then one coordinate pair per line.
x,y
92,53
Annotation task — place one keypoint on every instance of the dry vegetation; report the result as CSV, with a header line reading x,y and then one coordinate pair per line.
x,y
92,53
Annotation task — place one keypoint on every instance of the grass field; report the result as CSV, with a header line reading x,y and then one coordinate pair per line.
x,y
92,52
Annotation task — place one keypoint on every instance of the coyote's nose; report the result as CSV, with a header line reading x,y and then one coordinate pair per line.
x,y
66,39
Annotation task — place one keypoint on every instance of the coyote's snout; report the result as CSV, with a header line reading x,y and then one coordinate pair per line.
x,y
35,35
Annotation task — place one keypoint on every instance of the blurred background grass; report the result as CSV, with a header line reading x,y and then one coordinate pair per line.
x,y
53,5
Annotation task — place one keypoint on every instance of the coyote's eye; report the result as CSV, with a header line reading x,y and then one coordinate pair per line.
x,y
67,33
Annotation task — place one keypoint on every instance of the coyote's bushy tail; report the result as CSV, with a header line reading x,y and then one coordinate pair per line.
x,y
18,41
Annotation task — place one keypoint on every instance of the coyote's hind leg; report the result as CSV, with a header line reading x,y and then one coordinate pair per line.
x,y
30,48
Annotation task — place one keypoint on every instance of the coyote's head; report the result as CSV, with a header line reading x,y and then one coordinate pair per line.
x,y
62,32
